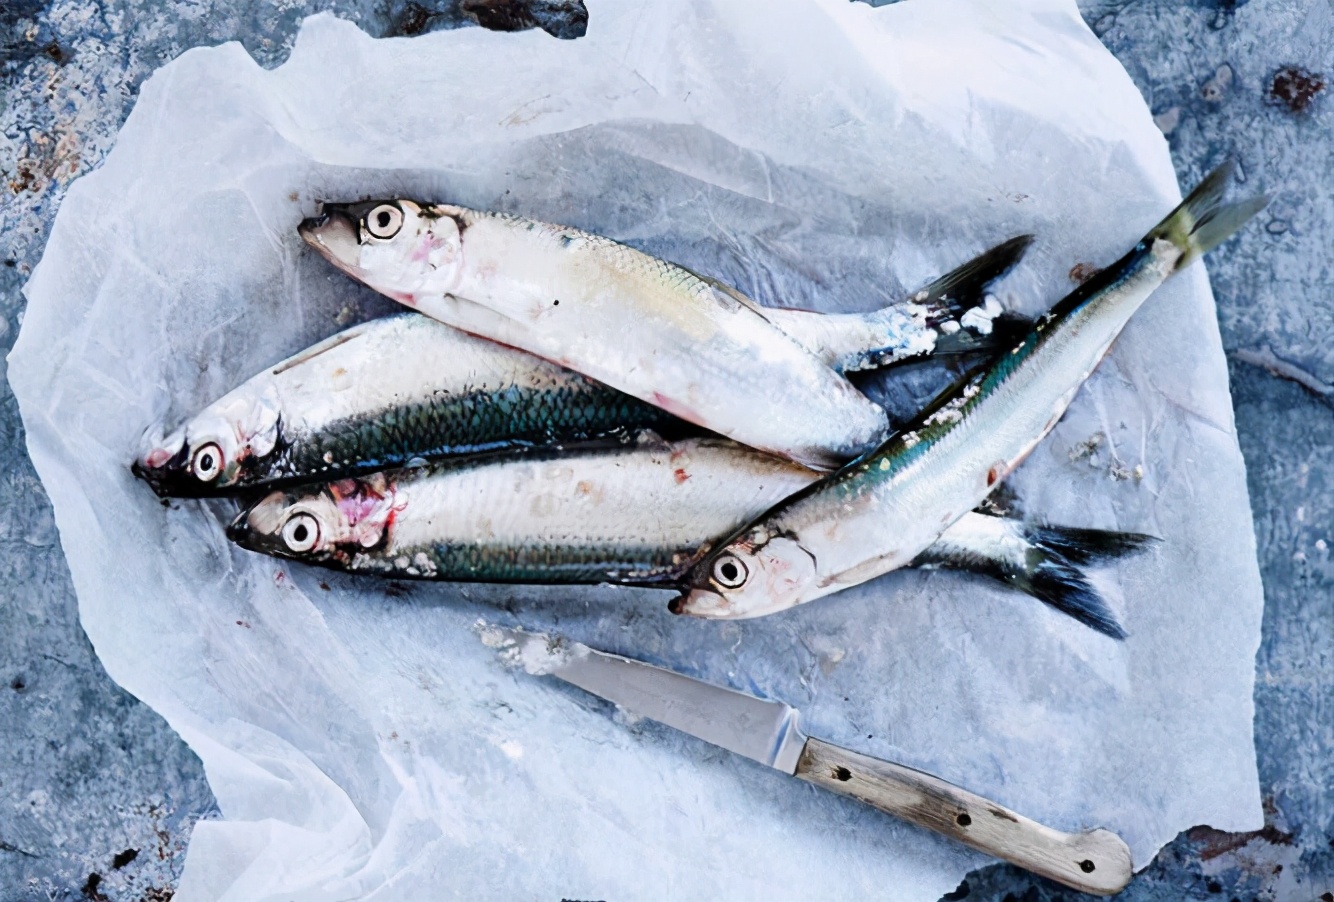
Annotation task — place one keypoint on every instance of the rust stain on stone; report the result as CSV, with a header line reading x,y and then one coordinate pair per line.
x,y
1213,843
25,177
413,20
1296,88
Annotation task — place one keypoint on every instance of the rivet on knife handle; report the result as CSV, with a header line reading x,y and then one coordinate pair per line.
x,y
1096,861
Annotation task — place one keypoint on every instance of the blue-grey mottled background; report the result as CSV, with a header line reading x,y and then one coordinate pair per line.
x,y
97,795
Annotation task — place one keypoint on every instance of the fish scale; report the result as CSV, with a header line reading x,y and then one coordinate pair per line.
x,y
553,562
431,428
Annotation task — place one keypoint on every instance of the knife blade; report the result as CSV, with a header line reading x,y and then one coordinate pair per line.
x,y
1092,861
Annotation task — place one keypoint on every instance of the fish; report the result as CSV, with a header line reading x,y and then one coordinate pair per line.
x,y
882,511
407,388
638,515
650,328
383,394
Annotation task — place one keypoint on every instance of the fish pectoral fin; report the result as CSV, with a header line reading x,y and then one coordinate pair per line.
x,y
1003,501
650,439
477,319
316,350
865,571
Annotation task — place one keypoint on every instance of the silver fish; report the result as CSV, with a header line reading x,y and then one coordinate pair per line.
x,y
383,394
407,388
652,329
633,516
882,511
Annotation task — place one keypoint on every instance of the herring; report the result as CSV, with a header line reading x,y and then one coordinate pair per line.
x,y
882,511
686,343
631,516
384,394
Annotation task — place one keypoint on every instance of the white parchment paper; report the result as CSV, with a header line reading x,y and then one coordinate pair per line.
x,y
359,739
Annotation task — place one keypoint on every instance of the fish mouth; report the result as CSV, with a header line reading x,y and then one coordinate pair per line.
x,y
139,470
700,603
335,235
241,534
171,477
175,480
238,531
258,525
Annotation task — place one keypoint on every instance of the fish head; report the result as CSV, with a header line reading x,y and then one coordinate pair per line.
x,y
329,523
750,577
216,450
398,247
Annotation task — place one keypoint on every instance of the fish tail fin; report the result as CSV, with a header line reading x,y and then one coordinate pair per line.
x,y
960,289
1053,572
1007,330
931,321
1203,221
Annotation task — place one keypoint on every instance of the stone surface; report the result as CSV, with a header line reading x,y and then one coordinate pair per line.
x,y
90,774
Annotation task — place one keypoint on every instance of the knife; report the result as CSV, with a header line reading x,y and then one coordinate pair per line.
x,y
1092,861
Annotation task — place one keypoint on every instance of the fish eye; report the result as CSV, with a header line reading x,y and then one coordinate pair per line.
x,y
384,221
206,463
729,572
301,532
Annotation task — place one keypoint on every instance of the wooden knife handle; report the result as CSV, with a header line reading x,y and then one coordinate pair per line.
x,y
1096,861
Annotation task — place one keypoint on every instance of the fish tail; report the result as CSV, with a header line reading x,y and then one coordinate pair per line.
x,y
1007,330
1203,221
1052,570
932,321
962,288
